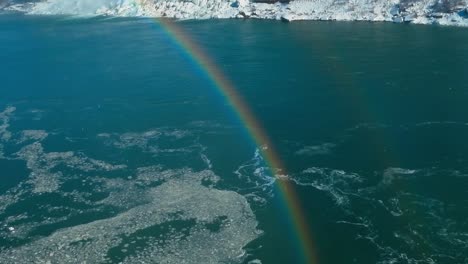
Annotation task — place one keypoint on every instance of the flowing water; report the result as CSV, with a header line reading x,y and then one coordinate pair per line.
x,y
116,147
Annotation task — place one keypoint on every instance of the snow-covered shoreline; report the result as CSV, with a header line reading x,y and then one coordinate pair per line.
x,y
442,12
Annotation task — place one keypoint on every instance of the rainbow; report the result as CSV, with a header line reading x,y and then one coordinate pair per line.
x,y
258,134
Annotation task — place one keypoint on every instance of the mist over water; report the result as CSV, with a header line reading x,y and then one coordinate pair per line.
x,y
78,7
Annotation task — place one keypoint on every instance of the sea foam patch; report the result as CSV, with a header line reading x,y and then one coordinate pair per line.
x,y
149,141
32,135
42,165
216,226
322,149
5,116
72,209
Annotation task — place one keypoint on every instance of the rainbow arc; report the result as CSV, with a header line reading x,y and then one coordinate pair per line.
x,y
227,89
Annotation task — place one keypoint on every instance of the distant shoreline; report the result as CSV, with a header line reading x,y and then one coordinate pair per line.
x,y
301,10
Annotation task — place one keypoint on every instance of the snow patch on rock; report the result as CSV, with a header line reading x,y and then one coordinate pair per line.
x,y
443,12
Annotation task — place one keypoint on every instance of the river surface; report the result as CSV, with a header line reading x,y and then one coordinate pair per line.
x,y
116,146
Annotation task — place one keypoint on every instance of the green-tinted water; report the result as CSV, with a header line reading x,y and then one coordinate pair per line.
x,y
117,148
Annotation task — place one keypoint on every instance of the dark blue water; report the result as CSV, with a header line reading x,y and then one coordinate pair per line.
x,y
115,147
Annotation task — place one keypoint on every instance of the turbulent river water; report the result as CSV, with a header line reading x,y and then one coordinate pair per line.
x,y
115,147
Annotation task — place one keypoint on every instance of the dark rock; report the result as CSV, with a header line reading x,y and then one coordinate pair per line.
x,y
436,15
284,19
243,14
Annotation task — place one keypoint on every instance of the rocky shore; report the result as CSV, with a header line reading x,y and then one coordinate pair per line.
x,y
443,12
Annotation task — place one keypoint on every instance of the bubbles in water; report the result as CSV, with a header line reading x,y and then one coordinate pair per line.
x,y
152,214
32,135
322,149
5,116
180,198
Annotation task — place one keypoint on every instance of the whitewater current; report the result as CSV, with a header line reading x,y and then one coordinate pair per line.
x,y
443,12
109,219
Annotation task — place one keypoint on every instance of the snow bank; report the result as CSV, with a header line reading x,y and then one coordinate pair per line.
x,y
444,12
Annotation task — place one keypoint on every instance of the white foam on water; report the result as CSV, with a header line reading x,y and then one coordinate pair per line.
x,y
257,180
334,182
367,126
153,196
150,198
206,124
429,221
363,222
255,172
8,199
180,198
391,174
32,135
157,150
322,149
137,139
153,174
37,114
148,141
206,160
5,116
44,179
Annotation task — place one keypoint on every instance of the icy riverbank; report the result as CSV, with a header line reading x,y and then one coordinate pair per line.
x,y
444,12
